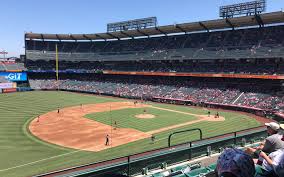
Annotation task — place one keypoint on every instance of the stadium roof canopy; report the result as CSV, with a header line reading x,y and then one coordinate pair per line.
x,y
237,22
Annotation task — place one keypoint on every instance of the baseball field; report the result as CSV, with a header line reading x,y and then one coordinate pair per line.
x,y
43,131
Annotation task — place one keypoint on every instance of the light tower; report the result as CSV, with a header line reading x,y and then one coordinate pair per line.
x,y
4,53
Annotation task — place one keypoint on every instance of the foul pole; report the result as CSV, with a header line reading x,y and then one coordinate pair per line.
x,y
56,58
56,68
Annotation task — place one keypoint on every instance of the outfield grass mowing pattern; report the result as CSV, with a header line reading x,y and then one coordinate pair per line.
x,y
16,109
125,118
18,147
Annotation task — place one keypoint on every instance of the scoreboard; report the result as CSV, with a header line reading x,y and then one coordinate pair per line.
x,y
132,24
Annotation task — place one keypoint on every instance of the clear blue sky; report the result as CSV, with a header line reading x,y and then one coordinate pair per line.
x,y
91,16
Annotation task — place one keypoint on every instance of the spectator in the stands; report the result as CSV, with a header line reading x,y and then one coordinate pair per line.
x,y
235,163
273,142
273,164
194,89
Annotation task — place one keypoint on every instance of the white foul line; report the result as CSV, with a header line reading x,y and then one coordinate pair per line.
x,y
39,161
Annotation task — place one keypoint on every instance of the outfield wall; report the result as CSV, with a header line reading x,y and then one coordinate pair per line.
x,y
252,110
11,78
256,111
8,87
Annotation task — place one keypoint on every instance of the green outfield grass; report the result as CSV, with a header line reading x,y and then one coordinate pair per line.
x,y
125,118
24,155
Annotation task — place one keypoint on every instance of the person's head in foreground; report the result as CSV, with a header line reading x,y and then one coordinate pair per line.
x,y
272,128
235,163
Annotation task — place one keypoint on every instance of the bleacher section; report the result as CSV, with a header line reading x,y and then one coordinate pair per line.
x,y
256,93
243,66
244,43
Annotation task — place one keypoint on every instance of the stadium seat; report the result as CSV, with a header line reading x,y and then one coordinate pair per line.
x,y
179,168
195,166
177,173
162,174
158,175
197,172
212,167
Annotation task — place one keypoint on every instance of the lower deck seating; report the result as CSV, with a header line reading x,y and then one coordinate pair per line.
x,y
198,92
196,169
190,170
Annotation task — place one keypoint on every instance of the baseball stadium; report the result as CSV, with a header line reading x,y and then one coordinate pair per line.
x,y
145,100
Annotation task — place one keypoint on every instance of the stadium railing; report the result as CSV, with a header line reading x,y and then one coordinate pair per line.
x,y
134,164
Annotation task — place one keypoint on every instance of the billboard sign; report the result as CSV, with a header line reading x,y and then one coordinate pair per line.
x,y
14,76
9,90
6,85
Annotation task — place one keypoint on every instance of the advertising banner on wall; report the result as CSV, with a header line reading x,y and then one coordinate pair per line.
x,y
9,90
6,85
14,76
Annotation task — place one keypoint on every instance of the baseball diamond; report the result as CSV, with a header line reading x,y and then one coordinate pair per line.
x,y
53,143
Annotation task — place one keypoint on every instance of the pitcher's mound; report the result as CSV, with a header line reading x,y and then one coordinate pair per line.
x,y
145,116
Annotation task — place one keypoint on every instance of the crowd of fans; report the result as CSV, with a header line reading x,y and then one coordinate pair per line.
x,y
132,55
253,66
217,41
258,94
